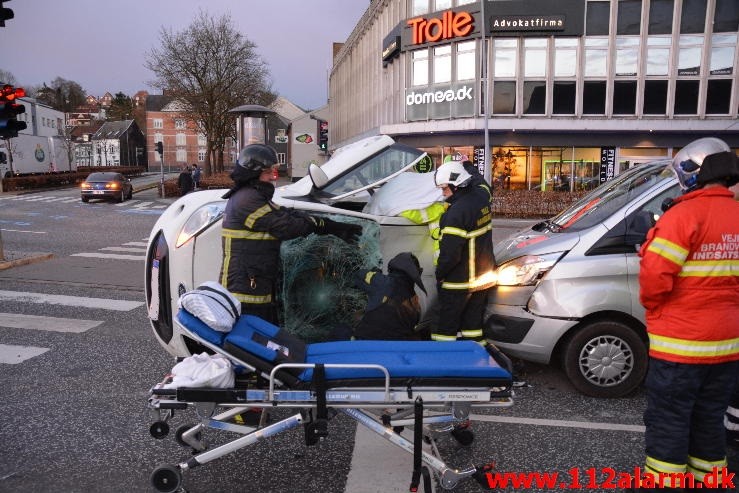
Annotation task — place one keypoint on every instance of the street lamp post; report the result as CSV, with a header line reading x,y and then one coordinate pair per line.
x,y
484,69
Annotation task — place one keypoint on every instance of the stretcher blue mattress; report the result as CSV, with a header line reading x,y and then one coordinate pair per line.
x,y
256,341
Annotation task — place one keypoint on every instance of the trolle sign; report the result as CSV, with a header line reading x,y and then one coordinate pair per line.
x,y
607,163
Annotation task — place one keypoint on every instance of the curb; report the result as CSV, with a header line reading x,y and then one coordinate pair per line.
x,y
31,259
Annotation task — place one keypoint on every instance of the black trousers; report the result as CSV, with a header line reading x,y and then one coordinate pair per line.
x,y
461,311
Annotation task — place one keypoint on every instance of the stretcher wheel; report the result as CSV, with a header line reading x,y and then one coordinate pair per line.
x,y
166,478
159,430
181,431
464,436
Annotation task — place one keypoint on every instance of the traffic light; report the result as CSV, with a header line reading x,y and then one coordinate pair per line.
x,y
323,135
9,111
159,147
5,13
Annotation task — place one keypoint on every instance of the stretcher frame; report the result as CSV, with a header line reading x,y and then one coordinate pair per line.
x,y
432,412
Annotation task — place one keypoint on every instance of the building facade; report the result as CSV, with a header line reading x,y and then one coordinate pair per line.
x,y
570,92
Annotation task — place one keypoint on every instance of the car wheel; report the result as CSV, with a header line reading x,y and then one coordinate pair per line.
x,y
605,359
85,199
122,197
130,193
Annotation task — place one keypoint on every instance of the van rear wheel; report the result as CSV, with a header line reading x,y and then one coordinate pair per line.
x,y
605,359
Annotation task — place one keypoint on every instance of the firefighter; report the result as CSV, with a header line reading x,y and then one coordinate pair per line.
x,y
689,280
254,227
464,271
393,310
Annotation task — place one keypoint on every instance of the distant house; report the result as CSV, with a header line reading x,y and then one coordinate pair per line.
x,y
119,144
81,137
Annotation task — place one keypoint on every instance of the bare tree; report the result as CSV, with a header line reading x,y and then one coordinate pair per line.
x,y
210,67
7,78
62,94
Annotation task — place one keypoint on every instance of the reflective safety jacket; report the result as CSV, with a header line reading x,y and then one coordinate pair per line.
x,y
466,260
689,279
253,229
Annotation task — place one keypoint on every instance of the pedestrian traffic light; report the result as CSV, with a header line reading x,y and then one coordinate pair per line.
x,y
323,135
5,13
9,111
159,147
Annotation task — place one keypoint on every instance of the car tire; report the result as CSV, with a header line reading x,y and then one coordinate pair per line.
x,y
85,199
605,359
122,197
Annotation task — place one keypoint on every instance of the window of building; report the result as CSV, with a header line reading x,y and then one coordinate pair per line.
x,y
158,137
624,97
419,7
597,18
181,139
202,141
596,57
179,124
505,58
157,123
594,97
534,97
689,56
201,154
658,55
466,57
718,96
655,97
660,16
442,5
442,64
504,97
726,17
181,156
565,57
563,96
420,61
722,54
627,55
629,17
535,57
686,97
693,18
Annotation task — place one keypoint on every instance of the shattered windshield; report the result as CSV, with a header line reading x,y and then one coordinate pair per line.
x,y
602,202
375,170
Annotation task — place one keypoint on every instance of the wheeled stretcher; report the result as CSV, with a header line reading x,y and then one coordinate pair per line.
x,y
383,385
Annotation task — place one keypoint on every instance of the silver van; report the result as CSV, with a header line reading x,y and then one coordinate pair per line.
x,y
568,287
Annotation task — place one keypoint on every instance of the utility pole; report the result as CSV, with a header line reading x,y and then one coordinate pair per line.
x,y
484,68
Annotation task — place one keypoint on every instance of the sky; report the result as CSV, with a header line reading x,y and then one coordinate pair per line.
x,y
103,44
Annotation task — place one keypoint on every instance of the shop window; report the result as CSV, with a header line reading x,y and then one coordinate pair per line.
x,y
655,97
442,64
565,57
597,18
660,16
420,61
504,97
624,97
535,57
722,54
534,97
718,96
563,95
627,55
686,97
596,57
505,57
658,55
466,56
594,97
689,56
693,18
629,17
726,17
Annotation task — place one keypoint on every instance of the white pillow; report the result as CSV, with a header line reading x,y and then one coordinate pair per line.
x,y
213,304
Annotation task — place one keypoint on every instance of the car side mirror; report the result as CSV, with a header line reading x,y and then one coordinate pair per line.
x,y
317,176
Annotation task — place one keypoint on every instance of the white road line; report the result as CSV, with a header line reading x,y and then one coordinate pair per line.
x,y
55,199
143,204
12,355
136,243
59,299
24,231
124,249
110,256
71,200
587,425
50,324
127,203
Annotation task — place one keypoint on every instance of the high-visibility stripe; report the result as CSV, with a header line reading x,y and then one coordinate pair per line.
x,y
443,338
486,279
467,234
226,261
472,334
261,212
710,268
253,299
242,234
662,466
368,277
705,465
694,349
669,250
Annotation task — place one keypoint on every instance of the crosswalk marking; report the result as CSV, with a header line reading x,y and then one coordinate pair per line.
x,y
124,249
59,299
51,324
136,243
113,256
12,355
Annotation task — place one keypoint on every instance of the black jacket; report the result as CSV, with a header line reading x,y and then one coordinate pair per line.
x,y
392,311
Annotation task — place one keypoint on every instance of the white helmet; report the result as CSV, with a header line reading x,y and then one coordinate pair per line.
x,y
687,163
452,173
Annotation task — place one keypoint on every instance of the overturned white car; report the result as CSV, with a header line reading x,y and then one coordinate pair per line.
x,y
370,182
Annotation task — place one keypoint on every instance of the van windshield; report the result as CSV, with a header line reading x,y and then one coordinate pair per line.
x,y
602,202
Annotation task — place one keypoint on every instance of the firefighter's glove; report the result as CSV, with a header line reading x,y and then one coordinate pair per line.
x,y
347,232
